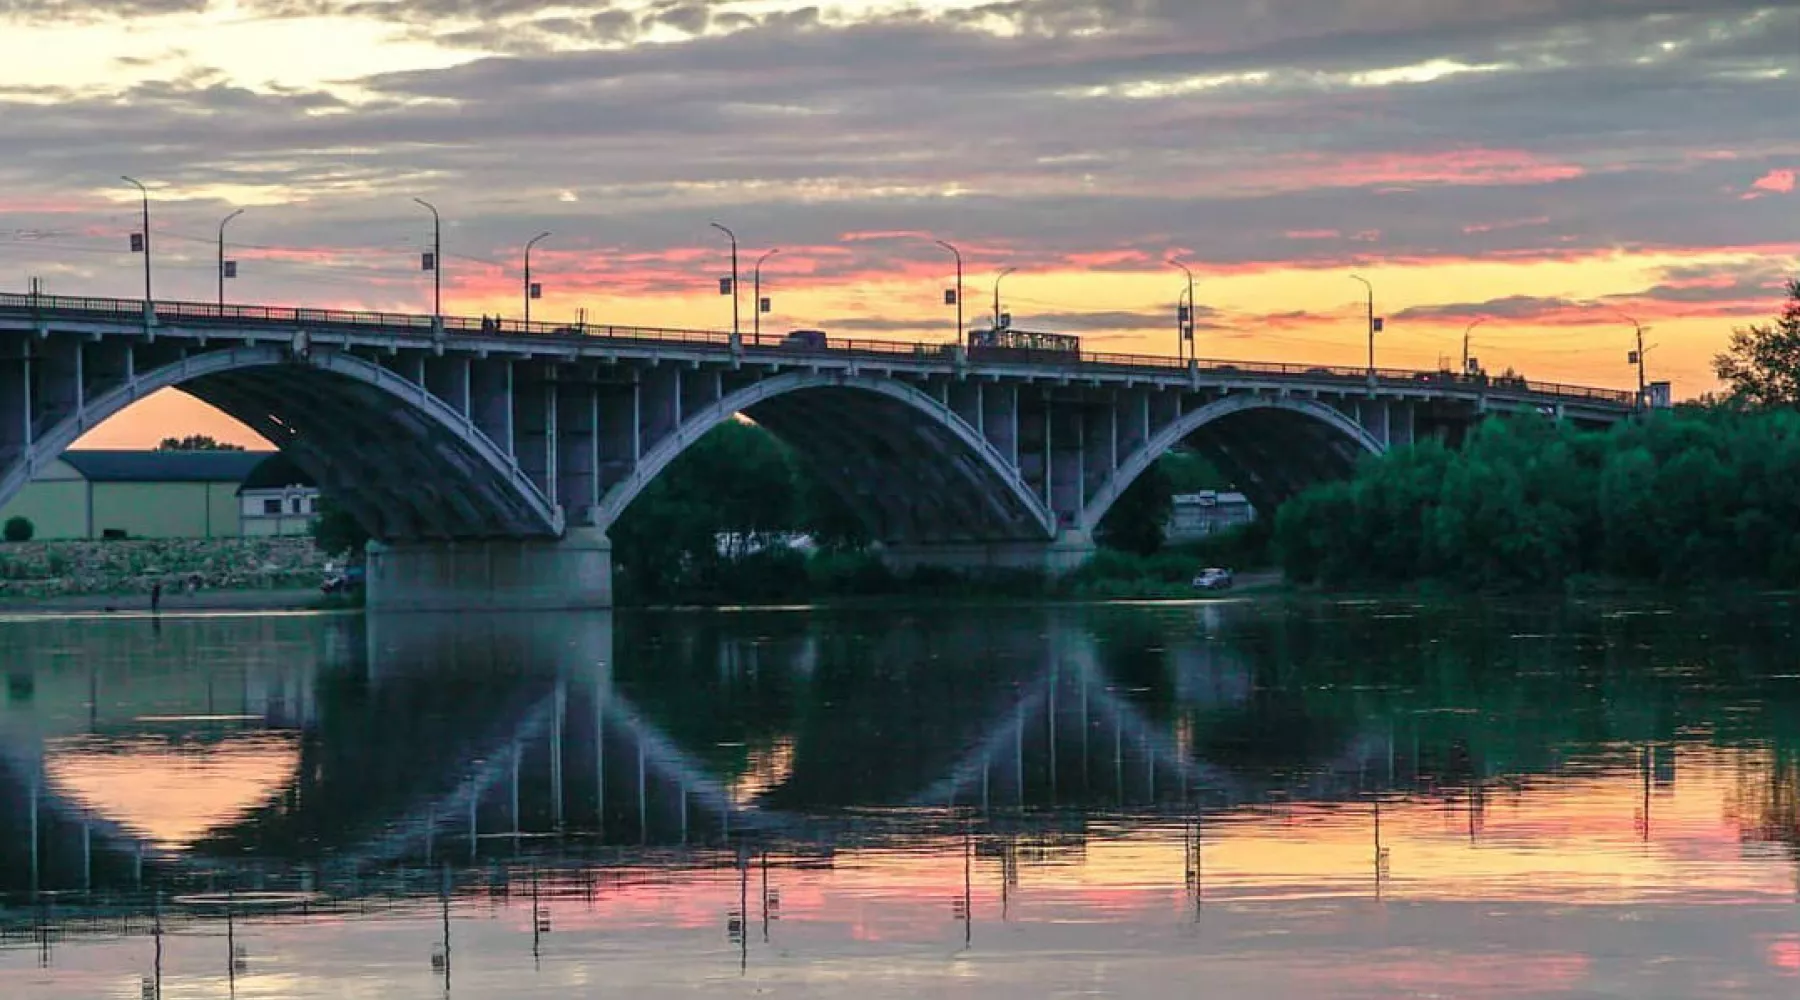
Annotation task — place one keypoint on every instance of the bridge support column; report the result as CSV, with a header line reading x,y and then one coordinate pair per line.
x,y
505,575
1062,555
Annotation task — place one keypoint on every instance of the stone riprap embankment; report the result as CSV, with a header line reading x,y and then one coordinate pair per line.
x,y
56,569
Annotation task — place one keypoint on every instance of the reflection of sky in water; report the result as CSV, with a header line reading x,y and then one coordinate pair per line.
x,y
1525,849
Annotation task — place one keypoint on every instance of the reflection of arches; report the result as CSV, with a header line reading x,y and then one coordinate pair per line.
x,y
899,457
405,462
1273,445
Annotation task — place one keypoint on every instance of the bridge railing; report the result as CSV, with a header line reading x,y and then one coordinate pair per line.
x,y
77,307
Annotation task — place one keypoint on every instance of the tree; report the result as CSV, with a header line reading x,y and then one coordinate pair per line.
x,y
19,529
1762,363
197,442
1139,518
334,530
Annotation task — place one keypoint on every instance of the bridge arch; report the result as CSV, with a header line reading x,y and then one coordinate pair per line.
x,y
403,461
900,458
1274,445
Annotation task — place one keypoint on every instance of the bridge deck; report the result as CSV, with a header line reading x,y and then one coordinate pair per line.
x,y
40,309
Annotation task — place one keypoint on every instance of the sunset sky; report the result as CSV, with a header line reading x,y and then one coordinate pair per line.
x,y
1547,165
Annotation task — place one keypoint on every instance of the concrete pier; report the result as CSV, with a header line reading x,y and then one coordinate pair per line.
x,y
571,573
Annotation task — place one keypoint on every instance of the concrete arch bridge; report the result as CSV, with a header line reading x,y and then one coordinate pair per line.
x,y
490,462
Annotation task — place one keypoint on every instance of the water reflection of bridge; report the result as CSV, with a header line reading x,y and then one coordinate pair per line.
x,y
437,741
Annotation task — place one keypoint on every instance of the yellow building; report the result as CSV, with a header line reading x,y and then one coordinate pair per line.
x,y
137,494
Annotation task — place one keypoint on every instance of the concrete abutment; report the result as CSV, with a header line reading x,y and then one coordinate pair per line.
x,y
569,573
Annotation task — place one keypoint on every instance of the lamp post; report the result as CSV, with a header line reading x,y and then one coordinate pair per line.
x,y
529,290
1374,324
436,262
756,293
1184,321
1001,276
1466,329
145,241
222,269
1637,357
734,277
956,296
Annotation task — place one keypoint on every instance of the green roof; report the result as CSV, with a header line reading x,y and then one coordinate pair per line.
x,y
164,466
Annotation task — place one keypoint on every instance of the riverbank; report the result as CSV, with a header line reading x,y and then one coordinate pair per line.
x,y
280,599
126,569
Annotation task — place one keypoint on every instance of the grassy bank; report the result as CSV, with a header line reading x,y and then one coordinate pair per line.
x,y
36,571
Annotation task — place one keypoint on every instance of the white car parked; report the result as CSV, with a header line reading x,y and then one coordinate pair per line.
x,y
1213,578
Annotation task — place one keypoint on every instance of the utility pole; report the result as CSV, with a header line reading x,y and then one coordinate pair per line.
x,y
955,296
1374,325
1637,358
435,263
1466,329
734,278
756,293
997,281
144,242
531,291
224,271
1184,320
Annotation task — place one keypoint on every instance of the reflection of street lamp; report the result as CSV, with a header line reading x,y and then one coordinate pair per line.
x,y
734,276
1184,319
997,281
756,293
143,239
530,291
955,296
225,272
1466,329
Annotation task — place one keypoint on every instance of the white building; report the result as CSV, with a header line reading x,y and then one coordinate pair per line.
x,y
277,499
1197,515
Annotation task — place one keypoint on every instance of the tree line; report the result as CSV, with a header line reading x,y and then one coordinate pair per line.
x,y
1707,491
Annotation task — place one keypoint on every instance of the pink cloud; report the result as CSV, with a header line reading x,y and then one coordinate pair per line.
x,y
1312,234
1490,227
1460,167
1774,182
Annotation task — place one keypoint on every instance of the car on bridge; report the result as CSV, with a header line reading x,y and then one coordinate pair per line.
x,y
811,340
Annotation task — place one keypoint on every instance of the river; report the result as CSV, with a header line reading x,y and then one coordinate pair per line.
x,y
1228,798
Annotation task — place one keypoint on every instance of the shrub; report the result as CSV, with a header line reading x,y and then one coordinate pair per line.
x,y
19,529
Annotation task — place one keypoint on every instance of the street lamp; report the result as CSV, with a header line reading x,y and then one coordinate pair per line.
x,y
1466,329
531,291
1374,324
143,241
955,296
227,269
434,262
1637,357
733,291
997,281
756,293
1184,320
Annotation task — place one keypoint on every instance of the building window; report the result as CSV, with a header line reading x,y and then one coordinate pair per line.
x,y
272,507
295,504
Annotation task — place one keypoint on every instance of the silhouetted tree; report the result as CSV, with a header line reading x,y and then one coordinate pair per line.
x,y
197,442
19,529
334,530
1762,363
1138,519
